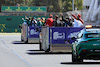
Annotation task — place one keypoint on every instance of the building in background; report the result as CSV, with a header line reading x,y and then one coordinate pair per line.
x,y
86,4
91,10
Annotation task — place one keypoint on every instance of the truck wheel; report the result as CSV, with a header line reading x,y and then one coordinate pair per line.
x,y
41,47
22,39
26,41
48,50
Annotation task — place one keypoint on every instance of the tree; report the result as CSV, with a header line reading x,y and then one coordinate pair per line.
x,y
52,5
60,3
78,4
67,5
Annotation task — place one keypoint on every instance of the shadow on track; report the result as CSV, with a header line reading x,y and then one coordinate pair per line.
x,y
20,42
39,52
84,63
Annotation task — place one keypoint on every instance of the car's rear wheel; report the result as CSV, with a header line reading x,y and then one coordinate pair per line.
x,y
74,59
80,59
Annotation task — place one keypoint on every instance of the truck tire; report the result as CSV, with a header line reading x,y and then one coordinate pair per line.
x,y
40,46
76,59
26,41
80,59
22,39
48,50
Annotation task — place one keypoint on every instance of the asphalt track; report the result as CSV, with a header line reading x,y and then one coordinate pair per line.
x,y
14,53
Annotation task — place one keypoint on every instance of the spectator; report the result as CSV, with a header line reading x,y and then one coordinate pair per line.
x,y
43,21
62,22
33,22
77,23
67,20
55,21
39,23
29,21
17,4
49,21
25,20
78,17
59,22
70,21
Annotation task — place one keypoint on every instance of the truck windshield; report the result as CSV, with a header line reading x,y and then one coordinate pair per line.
x,y
93,35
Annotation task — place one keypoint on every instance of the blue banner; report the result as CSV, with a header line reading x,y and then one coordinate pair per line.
x,y
72,32
62,35
58,35
34,32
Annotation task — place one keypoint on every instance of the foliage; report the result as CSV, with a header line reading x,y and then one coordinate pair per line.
x,y
52,5
78,4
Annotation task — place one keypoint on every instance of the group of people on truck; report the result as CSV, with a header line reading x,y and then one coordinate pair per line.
x,y
71,21
34,21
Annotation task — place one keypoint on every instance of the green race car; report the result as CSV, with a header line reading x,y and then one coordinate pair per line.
x,y
87,45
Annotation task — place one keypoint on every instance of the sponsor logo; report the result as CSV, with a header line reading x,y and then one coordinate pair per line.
x,y
32,32
57,35
73,35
